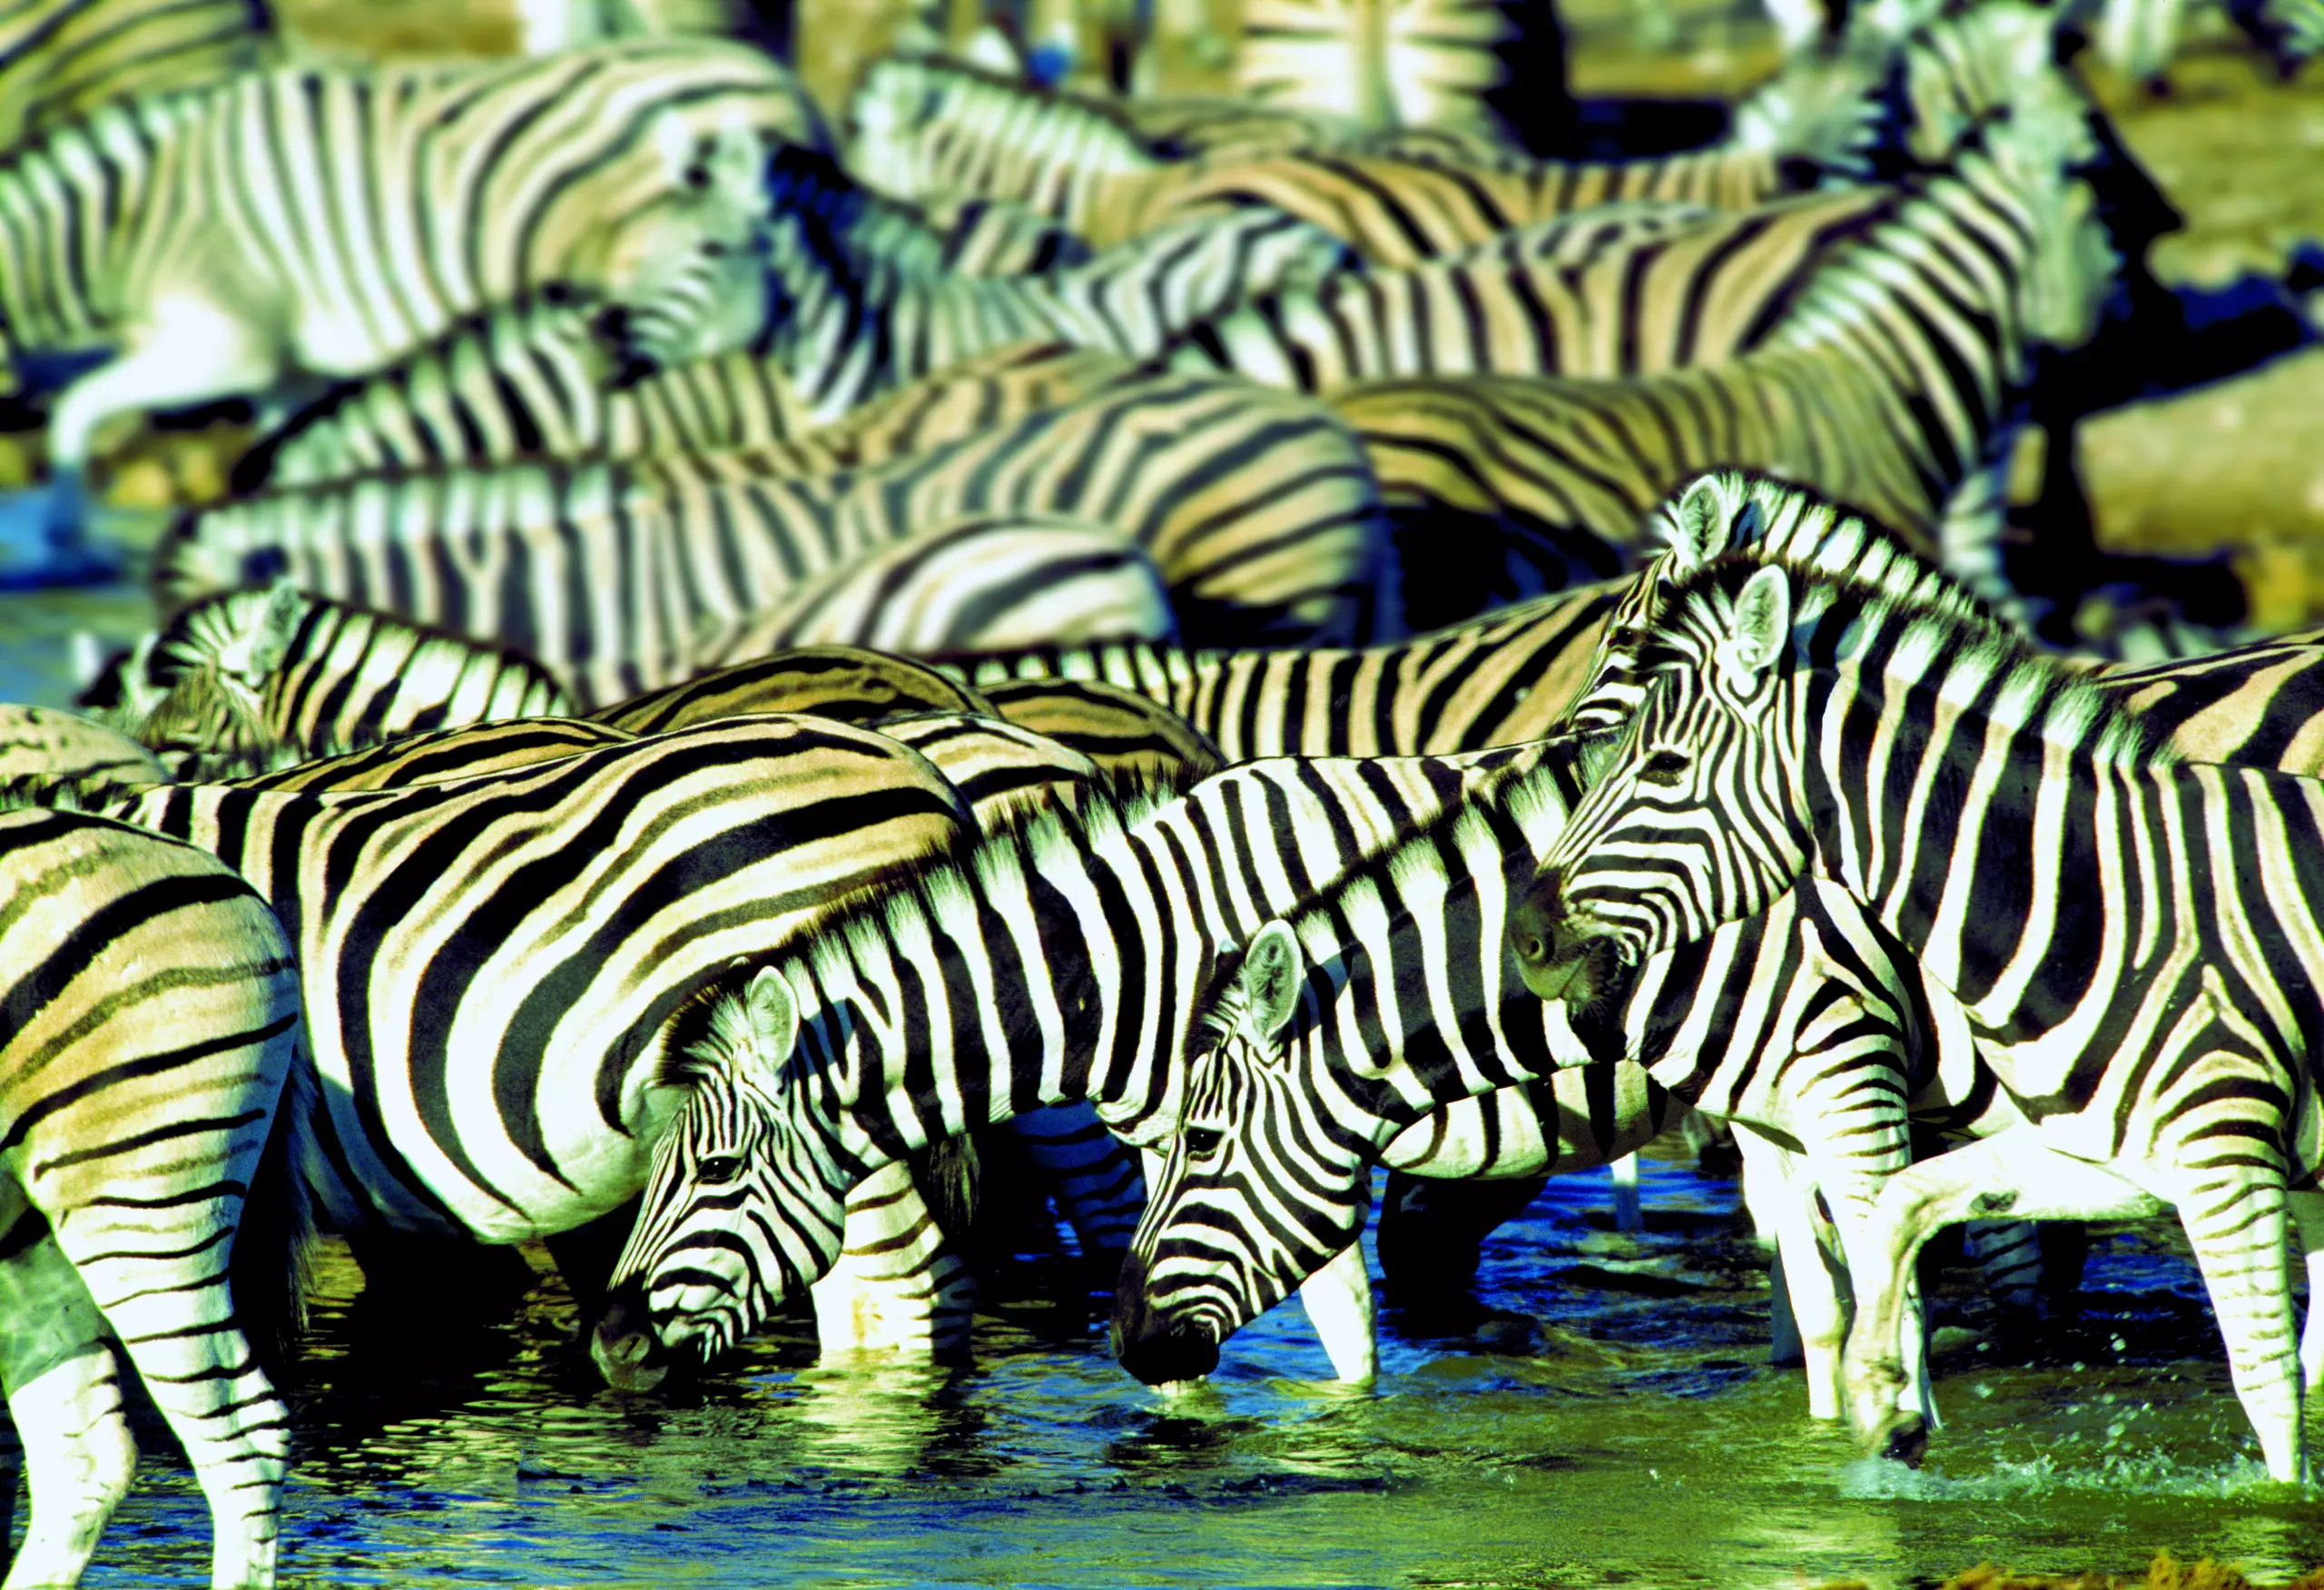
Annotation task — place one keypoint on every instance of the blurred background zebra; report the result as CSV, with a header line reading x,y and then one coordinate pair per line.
x,y
1038,393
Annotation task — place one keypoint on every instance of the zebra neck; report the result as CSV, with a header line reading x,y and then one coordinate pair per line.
x,y
1987,827
1054,966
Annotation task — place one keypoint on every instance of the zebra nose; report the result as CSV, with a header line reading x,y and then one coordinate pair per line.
x,y
1533,936
623,1345
1147,1342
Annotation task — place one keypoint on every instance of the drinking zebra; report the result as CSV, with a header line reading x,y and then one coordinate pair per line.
x,y
153,1091
482,961
2131,938
1042,964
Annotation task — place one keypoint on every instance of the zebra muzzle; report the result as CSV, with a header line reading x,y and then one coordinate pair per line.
x,y
623,1343
1556,963
1150,1345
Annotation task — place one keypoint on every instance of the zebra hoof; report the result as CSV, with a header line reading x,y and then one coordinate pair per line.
x,y
1908,1441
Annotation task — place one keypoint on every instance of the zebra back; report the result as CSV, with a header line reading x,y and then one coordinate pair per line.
x,y
42,742
1501,680
1120,730
983,583
558,378
997,766
59,59
843,682
918,129
1633,291
441,756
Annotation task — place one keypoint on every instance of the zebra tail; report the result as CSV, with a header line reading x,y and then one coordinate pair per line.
x,y
272,1267
949,1175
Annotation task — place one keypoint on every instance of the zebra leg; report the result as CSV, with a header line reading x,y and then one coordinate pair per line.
x,y
1808,1279
1095,1178
2237,1222
2012,1172
1340,1306
188,1346
2307,1214
65,1395
898,1287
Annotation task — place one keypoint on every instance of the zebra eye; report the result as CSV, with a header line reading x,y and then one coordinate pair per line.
x,y
1204,1142
718,1169
1665,768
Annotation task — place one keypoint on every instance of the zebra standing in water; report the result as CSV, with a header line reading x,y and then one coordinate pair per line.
x,y
1049,962
483,961
2134,939
1722,1024
422,194
153,1094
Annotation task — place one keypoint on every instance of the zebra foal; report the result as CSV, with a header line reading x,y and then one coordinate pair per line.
x,y
152,1077
2134,939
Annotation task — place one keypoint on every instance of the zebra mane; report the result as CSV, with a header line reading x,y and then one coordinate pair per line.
x,y
1982,668
92,795
1535,796
913,891
1773,522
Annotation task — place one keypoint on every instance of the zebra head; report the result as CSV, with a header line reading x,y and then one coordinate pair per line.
x,y
1731,511
219,666
1257,1189
746,1197
1697,821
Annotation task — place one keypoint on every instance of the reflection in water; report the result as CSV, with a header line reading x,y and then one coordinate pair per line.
x,y
1608,1417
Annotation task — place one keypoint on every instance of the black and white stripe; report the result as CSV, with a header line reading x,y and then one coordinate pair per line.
x,y
154,1105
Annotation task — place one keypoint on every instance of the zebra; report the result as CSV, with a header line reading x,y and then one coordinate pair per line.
x,y
51,744
247,675
59,59
558,374
846,683
1889,384
1496,66
1043,962
1124,733
153,1101
1383,1002
983,583
432,757
631,168
916,129
550,918
2139,962
1500,680
850,321
1399,206
607,573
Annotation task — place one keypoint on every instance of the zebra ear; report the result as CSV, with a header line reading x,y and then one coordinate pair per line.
x,y
1762,619
773,1011
1271,971
1698,527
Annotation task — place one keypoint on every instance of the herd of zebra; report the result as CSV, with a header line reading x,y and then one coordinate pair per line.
x,y
1229,641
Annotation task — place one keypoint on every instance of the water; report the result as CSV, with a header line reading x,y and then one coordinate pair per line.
x,y
1612,1421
